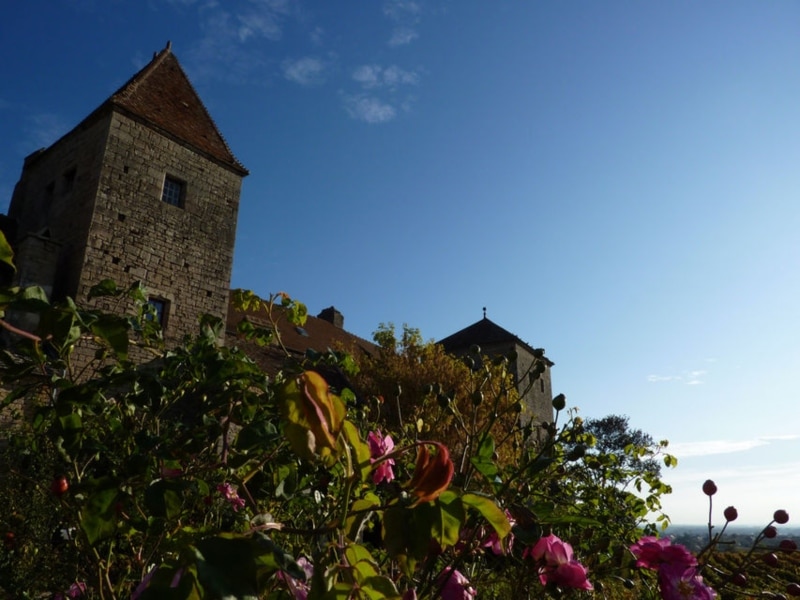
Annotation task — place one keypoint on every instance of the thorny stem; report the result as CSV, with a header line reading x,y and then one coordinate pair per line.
x,y
20,332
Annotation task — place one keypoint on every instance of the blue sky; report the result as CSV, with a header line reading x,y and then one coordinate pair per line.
x,y
616,182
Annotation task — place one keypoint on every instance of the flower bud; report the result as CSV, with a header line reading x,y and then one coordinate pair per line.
x,y
788,545
781,517
559,402
731,514
770,559
709,487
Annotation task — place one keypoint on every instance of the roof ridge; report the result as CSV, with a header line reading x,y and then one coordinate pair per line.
x,y
167,50
127,89
126,98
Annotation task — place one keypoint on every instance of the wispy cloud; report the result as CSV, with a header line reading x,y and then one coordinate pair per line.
x,y
368,108
756,491
402,36
694,377
380,98
227,49
317,36
711,447
406,15
304,71
373,76
659,378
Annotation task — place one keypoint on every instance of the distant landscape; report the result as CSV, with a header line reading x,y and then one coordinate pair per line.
x,y
735,539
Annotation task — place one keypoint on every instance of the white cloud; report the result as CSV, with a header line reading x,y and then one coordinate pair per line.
x,y
406,14
694,377
400,9
369,109
304,71
228,48
755,490
658,378
374,76
264,19
317,36
368,75
402,36
689,449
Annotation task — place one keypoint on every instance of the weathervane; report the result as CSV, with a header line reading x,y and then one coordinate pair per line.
x,y
484,312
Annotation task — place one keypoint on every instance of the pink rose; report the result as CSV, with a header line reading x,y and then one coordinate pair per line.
x,y
455,586
557,564
678,583
651,553
379,447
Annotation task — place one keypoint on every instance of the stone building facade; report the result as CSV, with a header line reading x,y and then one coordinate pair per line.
x,y
144,189
535,388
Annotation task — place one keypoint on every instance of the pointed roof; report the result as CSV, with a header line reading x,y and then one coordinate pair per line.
x,y
484,332
162,95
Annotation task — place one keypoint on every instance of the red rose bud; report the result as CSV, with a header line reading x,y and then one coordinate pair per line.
x,y
709,488
731,514
781,517
793,589
739,579
59,486
770,532
770,559
788,545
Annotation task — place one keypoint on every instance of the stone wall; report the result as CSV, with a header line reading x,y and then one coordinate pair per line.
x,y
537,397
55,195
183,255
98,192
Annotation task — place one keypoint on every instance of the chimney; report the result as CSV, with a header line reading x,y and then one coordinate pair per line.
x,y
331,315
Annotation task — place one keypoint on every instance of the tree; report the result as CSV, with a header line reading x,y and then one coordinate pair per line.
x,y
635,449
427,392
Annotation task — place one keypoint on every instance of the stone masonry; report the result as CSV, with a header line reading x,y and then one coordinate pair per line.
x,y
93,205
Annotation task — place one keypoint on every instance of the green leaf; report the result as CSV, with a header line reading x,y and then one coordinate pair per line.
x,y
114,331
6,253
360,513
444,518
235,566
490,511
98,518
297,313
107,287
380,588
353,437
163,499
484,461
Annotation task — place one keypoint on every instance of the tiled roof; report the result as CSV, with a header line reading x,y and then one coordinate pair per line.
x,y
483,332
317,334
162,95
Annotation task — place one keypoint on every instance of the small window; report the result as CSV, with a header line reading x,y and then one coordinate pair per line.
x,y
49,194
161,308
173,191
68,181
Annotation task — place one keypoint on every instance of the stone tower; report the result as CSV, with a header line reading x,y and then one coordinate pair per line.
x,y
493,340
143,189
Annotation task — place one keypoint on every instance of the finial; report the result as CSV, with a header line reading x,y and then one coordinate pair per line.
x,y
484,312
169,45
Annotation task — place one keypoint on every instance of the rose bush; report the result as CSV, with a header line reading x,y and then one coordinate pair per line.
x,y
140,471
